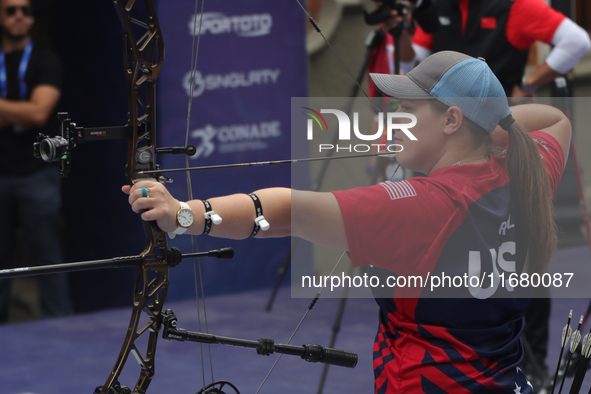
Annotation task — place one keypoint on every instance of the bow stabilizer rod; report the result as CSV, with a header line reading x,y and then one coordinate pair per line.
x,y
311,353
174,257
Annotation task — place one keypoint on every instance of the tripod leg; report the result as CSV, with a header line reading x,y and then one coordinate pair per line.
x,y
281,272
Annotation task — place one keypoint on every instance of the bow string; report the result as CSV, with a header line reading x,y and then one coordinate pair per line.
x,y
197,273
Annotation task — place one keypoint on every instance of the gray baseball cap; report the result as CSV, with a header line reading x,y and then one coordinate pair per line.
x,y
454,79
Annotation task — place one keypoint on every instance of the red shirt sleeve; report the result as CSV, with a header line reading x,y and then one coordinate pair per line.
x,y
383,227
552,155
531,20
423,39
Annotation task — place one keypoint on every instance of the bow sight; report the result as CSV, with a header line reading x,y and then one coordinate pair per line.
x,y
58,148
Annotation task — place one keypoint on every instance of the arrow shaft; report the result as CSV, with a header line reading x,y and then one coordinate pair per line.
x,y
265,163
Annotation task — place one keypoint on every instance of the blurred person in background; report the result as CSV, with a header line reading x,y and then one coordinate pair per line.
x,y
502,32
30,195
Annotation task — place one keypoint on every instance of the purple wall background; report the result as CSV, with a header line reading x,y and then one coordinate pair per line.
x,y
251,61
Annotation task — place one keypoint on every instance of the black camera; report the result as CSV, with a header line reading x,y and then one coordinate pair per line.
x,y
425,14
382,14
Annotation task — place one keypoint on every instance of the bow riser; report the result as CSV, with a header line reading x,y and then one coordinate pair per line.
x,y
143,59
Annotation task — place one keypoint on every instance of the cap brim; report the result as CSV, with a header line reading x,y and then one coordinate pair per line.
x,y
399,86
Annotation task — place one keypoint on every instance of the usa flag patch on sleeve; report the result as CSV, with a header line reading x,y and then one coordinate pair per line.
x,y
542,143
398,190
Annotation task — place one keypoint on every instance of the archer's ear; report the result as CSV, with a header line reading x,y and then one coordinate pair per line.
x,y
454,120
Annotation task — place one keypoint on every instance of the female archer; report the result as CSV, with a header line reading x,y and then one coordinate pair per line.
x,y
478,206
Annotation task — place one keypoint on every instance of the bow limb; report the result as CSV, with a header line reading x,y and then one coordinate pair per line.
x,y
142,60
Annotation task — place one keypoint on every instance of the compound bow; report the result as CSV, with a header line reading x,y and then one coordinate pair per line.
x,y
143,59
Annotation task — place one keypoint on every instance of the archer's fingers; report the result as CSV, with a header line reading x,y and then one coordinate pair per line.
x,y
151,215
147,184
153,210
144,189
143,204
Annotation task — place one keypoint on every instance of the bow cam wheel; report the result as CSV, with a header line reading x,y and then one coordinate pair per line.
x,y
218,388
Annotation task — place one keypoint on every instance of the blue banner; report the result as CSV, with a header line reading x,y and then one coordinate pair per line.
x,y
251,60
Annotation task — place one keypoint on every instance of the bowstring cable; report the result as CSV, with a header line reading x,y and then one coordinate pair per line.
x,y
301,321
194,244
377,110
194,56
317,28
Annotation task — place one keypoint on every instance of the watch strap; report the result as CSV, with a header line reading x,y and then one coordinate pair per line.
x,y
180,230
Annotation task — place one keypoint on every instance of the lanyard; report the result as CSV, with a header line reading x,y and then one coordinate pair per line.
x,y
22,69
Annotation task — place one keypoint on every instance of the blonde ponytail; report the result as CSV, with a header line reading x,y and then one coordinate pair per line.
x,y
531,183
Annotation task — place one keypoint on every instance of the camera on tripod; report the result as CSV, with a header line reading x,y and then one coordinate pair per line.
x,y
383,13
425,14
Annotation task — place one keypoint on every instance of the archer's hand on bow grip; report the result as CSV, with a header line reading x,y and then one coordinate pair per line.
x,y
160,206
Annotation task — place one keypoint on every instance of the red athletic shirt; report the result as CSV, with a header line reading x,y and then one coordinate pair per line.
x,y
529,20
459,220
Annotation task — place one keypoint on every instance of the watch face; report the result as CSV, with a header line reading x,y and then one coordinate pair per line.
x,y
185,217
